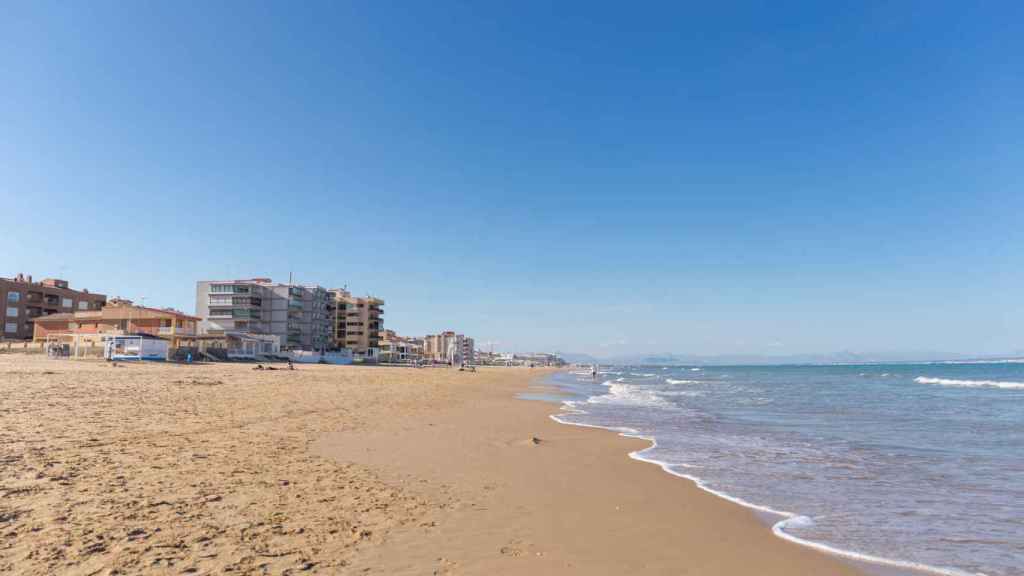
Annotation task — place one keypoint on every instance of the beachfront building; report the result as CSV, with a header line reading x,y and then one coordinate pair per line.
x,y
133,327
537,359
25,301
118,317
356,324
297,314
486,358
448,347
395,349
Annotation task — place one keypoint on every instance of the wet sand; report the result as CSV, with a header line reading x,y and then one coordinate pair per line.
x,y
202,469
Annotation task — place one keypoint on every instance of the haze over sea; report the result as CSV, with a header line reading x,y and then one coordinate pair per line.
x,y
916,466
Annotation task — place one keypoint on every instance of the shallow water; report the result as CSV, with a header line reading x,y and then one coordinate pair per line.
x,y
917,464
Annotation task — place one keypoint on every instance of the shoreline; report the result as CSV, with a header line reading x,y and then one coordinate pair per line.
x,y
516,524
867,562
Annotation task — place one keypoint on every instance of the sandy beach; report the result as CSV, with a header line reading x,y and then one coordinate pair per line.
x,y
202,469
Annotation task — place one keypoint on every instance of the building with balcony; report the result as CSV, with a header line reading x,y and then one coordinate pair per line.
x,y
449,347
395,349
25,301
297,314
118,317
357,323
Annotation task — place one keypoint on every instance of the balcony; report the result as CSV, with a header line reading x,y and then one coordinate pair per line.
x,y
245,302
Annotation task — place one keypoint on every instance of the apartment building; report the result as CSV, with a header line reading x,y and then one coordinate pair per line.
x,y
468,350
25,301
297,314
357,323
449,346
395,349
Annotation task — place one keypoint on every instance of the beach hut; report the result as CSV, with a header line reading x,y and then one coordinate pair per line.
x,y
135,347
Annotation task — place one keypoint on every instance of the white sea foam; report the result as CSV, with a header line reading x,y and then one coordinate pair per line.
x,y
671,381
788,519
970,383
694,369
629,395
999,361
688,393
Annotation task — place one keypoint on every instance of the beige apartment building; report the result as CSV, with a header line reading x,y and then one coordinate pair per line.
x,y
25,300
357,323
395,349
449,347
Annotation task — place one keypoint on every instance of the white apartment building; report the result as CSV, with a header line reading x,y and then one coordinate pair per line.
x,y
296,314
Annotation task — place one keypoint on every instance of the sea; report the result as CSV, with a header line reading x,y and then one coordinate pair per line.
x,y
907,468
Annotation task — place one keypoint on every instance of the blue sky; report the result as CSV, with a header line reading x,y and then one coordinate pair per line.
x,y
767,178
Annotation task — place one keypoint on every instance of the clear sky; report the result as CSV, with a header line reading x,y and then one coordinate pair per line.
x,y
611,178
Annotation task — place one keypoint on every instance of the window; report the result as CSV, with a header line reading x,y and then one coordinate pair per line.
x,y
83,305
14,297
12,312
222,288
11,327
66,302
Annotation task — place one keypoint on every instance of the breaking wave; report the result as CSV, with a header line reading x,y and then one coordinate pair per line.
x,y
970,383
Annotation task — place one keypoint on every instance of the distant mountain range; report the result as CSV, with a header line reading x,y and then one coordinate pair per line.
x,y
846,357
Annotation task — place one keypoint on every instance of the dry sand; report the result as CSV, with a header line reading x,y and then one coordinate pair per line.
x,y
166,469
